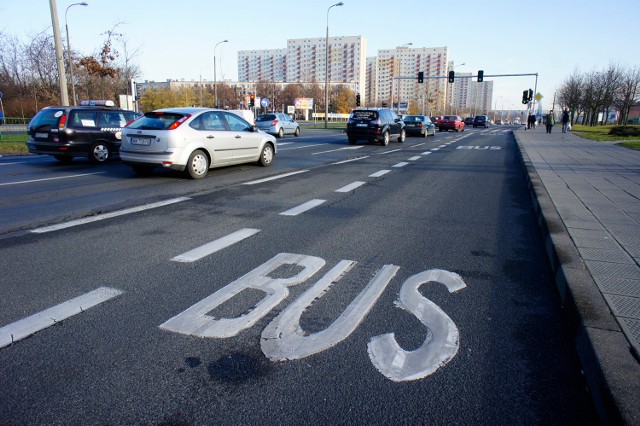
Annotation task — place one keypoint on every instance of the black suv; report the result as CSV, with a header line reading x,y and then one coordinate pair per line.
x,y
481,121
91,130
375,125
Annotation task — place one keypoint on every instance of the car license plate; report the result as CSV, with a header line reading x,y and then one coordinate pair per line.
x,y
362,125
141,141
42,135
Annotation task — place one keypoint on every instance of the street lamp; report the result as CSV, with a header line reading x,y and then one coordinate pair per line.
x,y
215,76
326,69
73,84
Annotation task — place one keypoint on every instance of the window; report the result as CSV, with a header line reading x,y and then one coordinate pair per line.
x,y
236,123
83,119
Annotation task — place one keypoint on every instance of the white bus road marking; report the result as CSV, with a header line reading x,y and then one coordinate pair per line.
x,y
338,149
27,326
108,215
380,173
401,164
255,182
350,187
46,179
303,208
214,246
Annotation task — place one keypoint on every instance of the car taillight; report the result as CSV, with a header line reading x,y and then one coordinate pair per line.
x,y
177,124
419,124
274,122
63,121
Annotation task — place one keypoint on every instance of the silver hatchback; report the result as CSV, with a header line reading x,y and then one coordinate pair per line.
x,y
193,140
278,124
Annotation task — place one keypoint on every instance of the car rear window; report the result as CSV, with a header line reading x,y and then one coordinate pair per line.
x,y
46,119
449,117
365,115
481,117
266,117
156,121
414,118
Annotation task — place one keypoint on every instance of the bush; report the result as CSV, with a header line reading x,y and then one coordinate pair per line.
x,y
625,131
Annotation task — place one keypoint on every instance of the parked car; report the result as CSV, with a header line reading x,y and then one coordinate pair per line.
x,y
420,125
451,122
481,121
193,140
375,125
468,121
278,124
91,130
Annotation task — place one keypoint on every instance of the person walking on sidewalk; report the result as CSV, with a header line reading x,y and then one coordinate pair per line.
x,y
549,121
565,121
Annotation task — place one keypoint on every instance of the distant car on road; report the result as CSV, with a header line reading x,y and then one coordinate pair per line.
x,y
420,125
193,140
468,121
91,130
451,122
436,120
375,125
278,124
481,121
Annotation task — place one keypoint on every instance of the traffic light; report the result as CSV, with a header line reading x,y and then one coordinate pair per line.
x,y
252,100
358,99
452,76
525,97
530,95
480,76
420,77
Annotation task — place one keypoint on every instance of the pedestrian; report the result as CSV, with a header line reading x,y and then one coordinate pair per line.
x,y
549,121
565,121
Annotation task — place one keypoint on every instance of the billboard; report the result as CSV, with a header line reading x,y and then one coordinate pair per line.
x,y
304,103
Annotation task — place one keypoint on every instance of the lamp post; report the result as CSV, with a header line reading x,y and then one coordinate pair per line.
x,y
215,76
73,84
326,69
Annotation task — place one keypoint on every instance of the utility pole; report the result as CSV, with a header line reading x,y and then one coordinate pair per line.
x,y
62,74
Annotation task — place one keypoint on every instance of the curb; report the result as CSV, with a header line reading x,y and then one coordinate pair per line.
x,y
608,368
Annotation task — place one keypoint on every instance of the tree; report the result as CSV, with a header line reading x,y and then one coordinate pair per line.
x,y
628,92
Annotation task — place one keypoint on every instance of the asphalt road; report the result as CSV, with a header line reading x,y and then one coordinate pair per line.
x,y
272,302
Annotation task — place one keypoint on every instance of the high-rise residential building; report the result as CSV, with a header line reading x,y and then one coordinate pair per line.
x,y
396,80
303,61
469,95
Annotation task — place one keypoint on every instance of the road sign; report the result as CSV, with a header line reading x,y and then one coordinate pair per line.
x,y
538,96
265,102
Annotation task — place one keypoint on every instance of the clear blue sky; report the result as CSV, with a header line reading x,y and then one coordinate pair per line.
x,y
176,39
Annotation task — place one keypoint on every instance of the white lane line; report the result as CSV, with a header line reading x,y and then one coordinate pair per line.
x,y
417,157
214,246
300,147
434,149
419,144
255,182
108,215
339,149
380,173
401,164
442,146
426,153
349,161
283,144
27,326
8,164
389,152
351,186
303,208
46,179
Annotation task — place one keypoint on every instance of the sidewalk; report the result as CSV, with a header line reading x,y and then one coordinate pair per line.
x,y
587,198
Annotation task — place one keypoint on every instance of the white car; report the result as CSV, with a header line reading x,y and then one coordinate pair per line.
x,y
193,140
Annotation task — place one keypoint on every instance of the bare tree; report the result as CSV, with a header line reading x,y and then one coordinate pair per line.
x,y
628,92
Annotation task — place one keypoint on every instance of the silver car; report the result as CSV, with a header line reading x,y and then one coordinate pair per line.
x,y
193,140
278,124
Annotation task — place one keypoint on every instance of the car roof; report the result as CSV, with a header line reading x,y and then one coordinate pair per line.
x,y
186,110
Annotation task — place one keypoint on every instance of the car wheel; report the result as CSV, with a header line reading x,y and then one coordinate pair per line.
x,y
266,156
63,158
402,137
142,170
297,132
198,165
280,132
99,152
385,139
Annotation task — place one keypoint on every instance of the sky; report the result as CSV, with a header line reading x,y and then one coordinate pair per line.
x,y
176,39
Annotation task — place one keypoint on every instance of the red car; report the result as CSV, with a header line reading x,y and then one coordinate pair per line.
x,y
451,122
436,120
